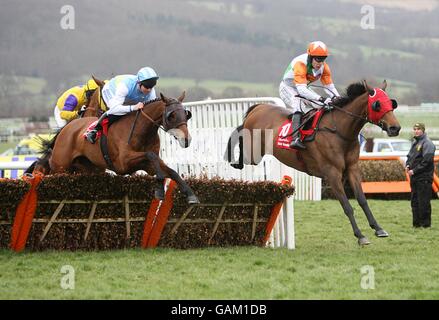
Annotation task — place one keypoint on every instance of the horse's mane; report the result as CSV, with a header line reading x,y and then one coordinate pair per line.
x,y
353,91
151,101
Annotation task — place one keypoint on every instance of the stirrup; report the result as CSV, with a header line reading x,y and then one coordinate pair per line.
x,y
297,144
91,136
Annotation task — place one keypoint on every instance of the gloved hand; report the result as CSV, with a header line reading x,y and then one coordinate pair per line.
x,y
328,101
82,110
335,99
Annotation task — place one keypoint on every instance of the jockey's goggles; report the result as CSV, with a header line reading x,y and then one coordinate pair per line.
x,y
319,59
150,83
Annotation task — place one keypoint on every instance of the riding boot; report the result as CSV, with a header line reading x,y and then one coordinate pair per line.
x,y
91,135
296,143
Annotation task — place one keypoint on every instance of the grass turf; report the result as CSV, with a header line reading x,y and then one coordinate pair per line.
x,y
326,264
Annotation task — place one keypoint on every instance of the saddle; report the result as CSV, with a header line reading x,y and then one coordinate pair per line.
x,y
312,120
308,128
102,137
104,124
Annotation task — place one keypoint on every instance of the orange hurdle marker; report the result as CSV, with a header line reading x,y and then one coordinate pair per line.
x,y
25,213
156,221
286,180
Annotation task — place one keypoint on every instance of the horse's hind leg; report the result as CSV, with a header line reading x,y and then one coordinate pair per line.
x,y
334,178
355,182
60,163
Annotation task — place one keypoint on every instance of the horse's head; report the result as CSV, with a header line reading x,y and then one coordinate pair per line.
x,y
175,119
380,109
100,83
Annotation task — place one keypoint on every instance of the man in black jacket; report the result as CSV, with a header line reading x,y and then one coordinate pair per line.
x,y
420,168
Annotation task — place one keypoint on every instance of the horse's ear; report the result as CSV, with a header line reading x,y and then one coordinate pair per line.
x,y
164,99
368,89
384,85
181,98
100,83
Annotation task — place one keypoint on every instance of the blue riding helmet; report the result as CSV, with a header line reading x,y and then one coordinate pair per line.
x,y
146,73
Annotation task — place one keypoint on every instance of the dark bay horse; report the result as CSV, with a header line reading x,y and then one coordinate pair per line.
x,y
335,150
133,144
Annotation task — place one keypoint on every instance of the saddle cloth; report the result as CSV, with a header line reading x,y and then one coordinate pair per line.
x,y
104,130
307,133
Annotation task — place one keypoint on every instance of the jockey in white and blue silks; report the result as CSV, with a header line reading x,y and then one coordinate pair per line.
x,y
126,93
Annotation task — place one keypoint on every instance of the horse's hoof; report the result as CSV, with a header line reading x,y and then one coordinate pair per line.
x,y
381,233
237,166
193,199
363,241
159,194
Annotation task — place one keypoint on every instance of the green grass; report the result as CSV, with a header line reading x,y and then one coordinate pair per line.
x,y
407,120
19,84
423,42
325,265
369,52
7,145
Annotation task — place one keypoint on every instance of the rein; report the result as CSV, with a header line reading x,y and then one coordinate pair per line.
x,y
154,122
366,118
334,130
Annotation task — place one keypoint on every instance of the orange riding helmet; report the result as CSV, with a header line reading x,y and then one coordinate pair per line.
x,y
317,49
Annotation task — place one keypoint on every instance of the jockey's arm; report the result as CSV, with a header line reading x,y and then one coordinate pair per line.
x,y
116,104
331,90
327,82
301,81
306,92
68,111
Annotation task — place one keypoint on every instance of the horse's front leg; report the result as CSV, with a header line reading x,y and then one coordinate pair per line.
x,y
354,177
334,178
147,161
162,171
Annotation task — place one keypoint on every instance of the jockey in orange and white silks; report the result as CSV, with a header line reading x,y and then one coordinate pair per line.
x,y
302,71
126,93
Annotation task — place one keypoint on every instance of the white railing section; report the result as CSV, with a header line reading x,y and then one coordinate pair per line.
x,y
223,113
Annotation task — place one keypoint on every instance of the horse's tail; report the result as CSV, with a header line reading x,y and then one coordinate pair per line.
x,y
32,167
42,163
235,138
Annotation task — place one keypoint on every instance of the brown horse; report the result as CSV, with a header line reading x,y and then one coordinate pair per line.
x,y
94,101
335,149
133,144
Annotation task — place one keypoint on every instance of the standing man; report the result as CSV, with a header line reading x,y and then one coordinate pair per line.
x,y
420,168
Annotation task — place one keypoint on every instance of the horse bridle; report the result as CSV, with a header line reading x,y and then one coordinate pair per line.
x,y
365,118
353,115
164,115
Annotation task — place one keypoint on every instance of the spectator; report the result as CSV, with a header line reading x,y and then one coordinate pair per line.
x,y
420,168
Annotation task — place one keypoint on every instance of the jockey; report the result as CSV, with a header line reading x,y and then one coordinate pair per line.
x,y
126,93
302,71
72,103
